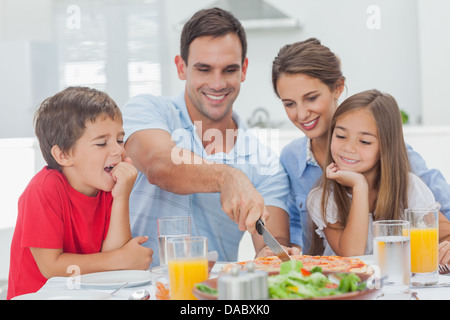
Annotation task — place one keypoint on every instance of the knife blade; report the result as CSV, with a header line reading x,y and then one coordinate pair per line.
x,y
271,242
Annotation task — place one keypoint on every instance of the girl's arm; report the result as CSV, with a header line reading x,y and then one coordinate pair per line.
x,y
351,239
119,231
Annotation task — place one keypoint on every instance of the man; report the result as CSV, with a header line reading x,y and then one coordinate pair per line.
x,y
193,153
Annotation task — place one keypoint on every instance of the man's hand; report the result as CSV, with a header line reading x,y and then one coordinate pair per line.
x,y
241,201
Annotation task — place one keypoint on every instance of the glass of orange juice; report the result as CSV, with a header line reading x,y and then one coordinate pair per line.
x,y
188,265
424,237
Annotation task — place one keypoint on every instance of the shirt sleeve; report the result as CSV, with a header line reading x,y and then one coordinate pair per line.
x,y
271,180
432,178
419,195
315,210
43,225
145,112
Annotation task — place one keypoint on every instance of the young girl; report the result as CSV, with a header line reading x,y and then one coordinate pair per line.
x,y
367,175
307,77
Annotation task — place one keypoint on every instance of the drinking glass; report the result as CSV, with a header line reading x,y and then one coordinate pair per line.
x,y
169,227
188,265
391,248
160,279
424,245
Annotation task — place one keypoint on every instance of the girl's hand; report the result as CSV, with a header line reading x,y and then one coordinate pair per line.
x,y
267,252
444,252
124,174
344,177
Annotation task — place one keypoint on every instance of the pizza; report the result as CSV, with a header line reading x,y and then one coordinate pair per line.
x,y
327,263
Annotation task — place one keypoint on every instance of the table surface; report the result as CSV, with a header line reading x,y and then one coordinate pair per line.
x,y
59,286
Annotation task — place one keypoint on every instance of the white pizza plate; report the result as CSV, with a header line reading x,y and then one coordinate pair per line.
x,y
367,259
114,279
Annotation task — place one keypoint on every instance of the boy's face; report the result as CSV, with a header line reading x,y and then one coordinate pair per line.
x,y
95,153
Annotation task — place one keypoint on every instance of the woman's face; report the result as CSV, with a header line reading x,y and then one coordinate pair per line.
x,y
309,103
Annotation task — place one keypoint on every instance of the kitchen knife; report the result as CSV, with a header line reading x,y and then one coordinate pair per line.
x,y
271,242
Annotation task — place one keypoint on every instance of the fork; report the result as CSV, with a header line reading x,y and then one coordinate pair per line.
x,y
444,269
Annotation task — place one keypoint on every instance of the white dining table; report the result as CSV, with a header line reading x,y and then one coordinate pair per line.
x,y
62,288
59,285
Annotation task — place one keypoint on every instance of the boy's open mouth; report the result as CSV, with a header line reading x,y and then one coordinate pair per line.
x,y
109,168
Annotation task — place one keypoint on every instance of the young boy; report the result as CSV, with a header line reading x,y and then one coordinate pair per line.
x,y
74,212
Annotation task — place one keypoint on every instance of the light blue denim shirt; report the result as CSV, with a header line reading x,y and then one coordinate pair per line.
x,y
304,174
149,202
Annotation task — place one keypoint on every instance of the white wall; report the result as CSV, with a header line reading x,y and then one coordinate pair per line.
x,y
385,58
434,21
407,56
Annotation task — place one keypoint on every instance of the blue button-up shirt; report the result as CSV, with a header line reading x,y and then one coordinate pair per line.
x,y
149,202
304,174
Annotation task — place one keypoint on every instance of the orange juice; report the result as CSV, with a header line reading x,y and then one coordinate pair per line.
x,y
183,274
424,249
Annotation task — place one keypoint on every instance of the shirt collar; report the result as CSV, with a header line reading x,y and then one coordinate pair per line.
x,y
310,160
246,142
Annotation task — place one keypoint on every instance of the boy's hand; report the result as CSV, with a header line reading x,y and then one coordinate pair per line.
x,y
135,256
124,174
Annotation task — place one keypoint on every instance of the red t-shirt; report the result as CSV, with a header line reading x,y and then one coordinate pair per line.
x,y
53,215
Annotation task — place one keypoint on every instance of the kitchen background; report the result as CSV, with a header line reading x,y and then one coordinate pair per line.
x,y
127,47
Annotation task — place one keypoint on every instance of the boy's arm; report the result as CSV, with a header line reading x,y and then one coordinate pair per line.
x,y
55,263
119,232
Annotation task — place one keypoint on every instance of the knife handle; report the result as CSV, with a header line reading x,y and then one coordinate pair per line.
x,y
259,225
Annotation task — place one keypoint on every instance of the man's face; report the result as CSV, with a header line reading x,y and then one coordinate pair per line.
x,y
213,75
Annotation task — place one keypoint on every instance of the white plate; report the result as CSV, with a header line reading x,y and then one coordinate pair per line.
x,y
367,259
65,295
114,279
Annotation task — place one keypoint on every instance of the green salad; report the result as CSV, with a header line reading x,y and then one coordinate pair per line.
x,y
295,282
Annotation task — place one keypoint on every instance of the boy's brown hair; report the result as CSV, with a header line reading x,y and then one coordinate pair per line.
x,y
61,119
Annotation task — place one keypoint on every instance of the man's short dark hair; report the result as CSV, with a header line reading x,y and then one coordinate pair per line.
x,y
213,22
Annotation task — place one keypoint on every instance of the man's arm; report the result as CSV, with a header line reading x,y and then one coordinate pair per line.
x,y
182,172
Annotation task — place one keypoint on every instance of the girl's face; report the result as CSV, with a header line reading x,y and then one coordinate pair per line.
x,y
309,103
355,145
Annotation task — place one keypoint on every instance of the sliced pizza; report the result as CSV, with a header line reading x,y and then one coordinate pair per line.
x,y
327,263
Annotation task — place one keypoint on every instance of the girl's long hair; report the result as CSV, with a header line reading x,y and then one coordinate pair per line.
x,y
392,169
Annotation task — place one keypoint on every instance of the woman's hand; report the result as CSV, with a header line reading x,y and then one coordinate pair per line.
x,y
444,252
